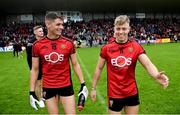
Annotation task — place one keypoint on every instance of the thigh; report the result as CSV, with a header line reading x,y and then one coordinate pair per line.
x,y
131,109
68,103
52,105
132,100
132,104
113,112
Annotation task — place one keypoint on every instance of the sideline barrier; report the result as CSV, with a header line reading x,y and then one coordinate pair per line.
x,y
9,48
163,40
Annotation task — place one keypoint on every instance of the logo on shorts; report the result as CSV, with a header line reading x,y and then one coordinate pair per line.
x,y
54,57
110,103
44,94
121,61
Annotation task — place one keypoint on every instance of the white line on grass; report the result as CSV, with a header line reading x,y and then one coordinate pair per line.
x,y
102,101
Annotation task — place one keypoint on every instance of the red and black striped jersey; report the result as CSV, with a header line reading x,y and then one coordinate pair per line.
x,y
121,61
54,55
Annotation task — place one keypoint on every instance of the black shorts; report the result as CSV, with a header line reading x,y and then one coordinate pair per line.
x,y
117,104
51,92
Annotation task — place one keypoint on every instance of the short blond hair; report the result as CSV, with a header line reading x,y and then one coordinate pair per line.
x,y
37,27
121,20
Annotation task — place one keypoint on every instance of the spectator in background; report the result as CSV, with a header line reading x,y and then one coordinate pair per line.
x,y
148,40
15,49
20,51
175,38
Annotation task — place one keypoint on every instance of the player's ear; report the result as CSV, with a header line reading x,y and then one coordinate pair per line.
x,y
47,23
34,32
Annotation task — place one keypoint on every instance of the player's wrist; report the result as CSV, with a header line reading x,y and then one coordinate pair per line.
x,y
31,92
83,84
93,89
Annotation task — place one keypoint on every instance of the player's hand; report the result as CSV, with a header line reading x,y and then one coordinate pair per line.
x,y
83,90
93,94
33,100
162,79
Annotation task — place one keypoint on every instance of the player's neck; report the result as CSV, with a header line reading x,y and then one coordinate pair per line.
x,y
121,41
38,38
52,36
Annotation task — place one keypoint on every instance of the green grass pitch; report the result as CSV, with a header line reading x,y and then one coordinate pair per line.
x,y
14,82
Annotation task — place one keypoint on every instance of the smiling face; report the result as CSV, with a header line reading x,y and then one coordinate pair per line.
x,y
55,27
39,33
121,29
121,32
54,24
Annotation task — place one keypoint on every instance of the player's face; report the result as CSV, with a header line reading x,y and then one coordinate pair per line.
x,y
39,33
56,27
121,32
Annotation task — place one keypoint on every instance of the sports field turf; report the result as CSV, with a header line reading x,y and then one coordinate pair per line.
x,y
14,82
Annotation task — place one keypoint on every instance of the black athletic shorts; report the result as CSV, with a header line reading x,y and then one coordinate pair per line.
x,y
117,104
51,92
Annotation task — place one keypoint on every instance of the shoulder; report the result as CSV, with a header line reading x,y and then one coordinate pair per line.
x,y
67,40
138,46
40,41
108,45
134,42
111,39
31,39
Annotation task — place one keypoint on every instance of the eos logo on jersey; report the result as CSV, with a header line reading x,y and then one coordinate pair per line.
x,y
54,57
121,61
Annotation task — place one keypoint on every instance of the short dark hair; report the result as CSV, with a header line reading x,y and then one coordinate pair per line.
x,y
52,16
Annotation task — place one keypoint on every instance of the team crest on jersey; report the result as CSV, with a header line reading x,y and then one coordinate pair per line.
x,y
130,49
63,46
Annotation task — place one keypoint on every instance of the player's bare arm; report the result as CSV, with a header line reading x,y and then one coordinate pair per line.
x,y
33,77
96,76
83,92
77,67
34,72
153,71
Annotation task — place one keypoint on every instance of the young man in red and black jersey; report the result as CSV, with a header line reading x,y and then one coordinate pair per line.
x,y
120,57
39,34
55,51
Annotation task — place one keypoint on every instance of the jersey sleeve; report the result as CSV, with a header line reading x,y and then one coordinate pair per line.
x,y
140,50
35,50
103,52
72,50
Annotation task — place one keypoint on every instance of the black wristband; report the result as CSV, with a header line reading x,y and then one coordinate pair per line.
x,y
83,84
33,94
